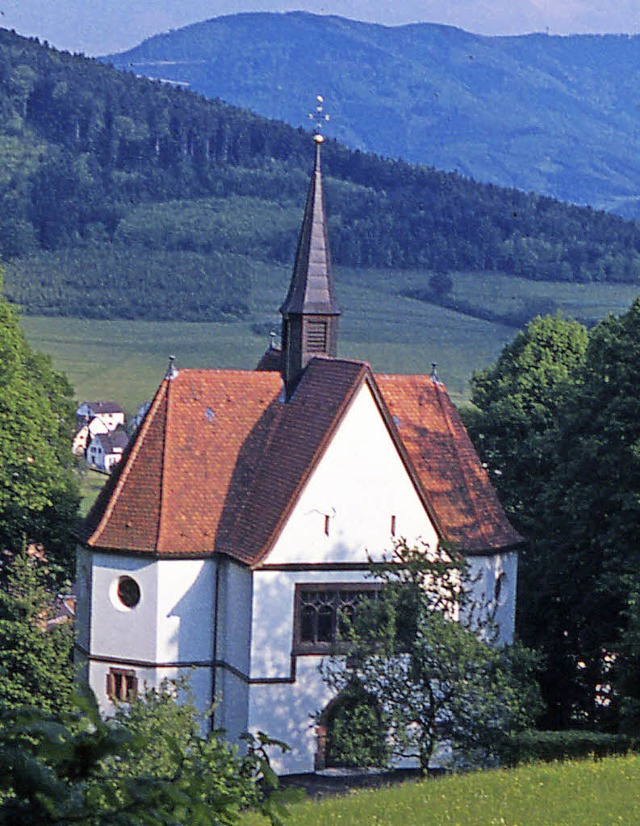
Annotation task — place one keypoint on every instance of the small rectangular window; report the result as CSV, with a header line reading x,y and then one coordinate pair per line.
x,y
122,684
393,524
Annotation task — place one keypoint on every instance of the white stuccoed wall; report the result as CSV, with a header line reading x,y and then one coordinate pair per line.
x,y
484,572
360,483
233,649
185,609
84,572
285,710
171,627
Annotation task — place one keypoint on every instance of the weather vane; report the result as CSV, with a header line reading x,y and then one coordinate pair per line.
x,y
320,118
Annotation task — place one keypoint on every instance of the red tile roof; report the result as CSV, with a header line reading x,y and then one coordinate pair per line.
x,y
219,461
170,490
455,484
271,359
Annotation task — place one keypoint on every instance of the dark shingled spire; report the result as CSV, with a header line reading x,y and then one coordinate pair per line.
x,y
310,312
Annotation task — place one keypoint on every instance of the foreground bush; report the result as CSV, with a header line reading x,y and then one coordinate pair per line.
x,y
418,656
149,765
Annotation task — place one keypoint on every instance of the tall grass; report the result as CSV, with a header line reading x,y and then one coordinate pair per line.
x,y
585,793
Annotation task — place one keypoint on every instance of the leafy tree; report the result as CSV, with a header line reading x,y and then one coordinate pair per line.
x,y
149,766
560,427
628,668
441,283
38,496
587,550
35,656
515,423
83,145
418,651
515,408
354,730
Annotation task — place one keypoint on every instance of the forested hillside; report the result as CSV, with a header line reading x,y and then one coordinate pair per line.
x,y
554,115
125,197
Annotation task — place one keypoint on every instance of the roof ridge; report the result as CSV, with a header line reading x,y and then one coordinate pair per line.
x,y
239,371
342,359
417,376
163,462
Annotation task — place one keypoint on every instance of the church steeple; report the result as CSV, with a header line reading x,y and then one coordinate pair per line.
x,y
310,312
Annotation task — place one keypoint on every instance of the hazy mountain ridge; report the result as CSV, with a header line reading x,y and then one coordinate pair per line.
x,y
122,197
555,115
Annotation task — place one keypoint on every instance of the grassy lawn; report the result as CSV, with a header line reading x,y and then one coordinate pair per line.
x,y
91,482
587,303
585,793
126,360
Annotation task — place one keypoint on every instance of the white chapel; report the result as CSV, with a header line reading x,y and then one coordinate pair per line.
x,y
243,513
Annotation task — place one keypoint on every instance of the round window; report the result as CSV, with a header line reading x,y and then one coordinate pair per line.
x,y
128,591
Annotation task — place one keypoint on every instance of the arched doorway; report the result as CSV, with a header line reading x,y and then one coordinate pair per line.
x,y
351,731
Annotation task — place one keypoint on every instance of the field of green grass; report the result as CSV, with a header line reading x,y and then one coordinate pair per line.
x,y
125,360
91,483
584,793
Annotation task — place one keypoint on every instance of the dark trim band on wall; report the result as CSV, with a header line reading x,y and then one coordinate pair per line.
x,y
121,661
316,566
100,658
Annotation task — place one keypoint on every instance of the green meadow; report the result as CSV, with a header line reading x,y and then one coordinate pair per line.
x,y
584,793
125,360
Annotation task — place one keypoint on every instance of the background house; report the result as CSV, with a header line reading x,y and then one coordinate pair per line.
x,y
109,413
85,434
105,450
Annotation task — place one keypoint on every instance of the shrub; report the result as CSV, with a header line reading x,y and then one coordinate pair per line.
x,y
529,746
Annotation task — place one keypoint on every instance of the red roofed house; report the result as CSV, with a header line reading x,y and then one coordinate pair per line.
x,y
243,510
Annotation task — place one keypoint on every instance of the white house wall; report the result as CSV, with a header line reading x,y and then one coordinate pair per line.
x,y
282,707
82,622
97,426
484,574
114,628
286,693
185,609
235,585
359,484
199,681
171,627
